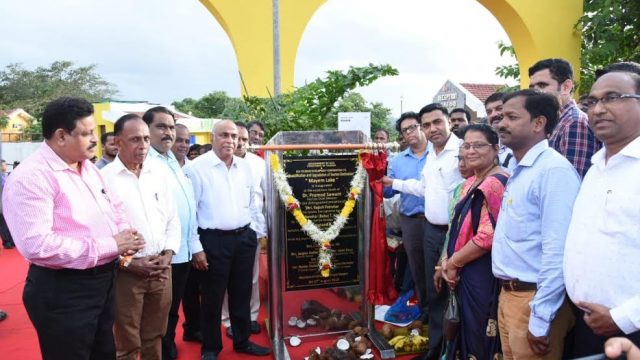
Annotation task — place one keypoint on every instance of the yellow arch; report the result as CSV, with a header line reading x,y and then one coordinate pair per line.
x,y
537,29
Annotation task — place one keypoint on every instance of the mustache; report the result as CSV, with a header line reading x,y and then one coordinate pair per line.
x,y
496,118
503,130
92,146
167,138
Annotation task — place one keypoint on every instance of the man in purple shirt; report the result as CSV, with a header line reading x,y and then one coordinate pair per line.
x,y
572,137
65,222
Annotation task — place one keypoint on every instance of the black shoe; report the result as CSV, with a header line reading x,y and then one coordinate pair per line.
x,y
9,245
169,350
254,349
255,327
208,356
3,315
433,354
229,332
192,337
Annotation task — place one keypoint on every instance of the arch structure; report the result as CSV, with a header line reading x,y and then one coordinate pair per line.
x,y
537,29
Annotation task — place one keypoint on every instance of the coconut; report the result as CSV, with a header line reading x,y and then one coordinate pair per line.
x,y
387,331
301,324
292,321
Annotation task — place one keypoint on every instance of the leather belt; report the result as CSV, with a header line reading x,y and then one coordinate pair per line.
x,y
228,232
439,227
416,216
517,285
100,269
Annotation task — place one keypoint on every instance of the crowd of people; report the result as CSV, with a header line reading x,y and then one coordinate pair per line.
x,y
530,220
115,248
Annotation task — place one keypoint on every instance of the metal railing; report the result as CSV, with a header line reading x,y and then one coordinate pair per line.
x,y
20,137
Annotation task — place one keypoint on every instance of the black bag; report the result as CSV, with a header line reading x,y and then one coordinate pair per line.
x,y
451,322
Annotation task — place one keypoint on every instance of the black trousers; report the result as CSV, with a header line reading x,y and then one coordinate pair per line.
x,y
4,231
191,302
72,311
179,275
434,236
231,258
582,342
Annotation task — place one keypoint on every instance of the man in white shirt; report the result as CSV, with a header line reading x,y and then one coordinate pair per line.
x,y
259,172
143,287
603,241
162,132
440,176
180,147
226,211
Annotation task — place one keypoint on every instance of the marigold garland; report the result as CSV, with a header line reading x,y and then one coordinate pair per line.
x,y
322,238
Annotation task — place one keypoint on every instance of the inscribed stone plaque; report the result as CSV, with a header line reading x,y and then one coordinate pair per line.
x,y
321,184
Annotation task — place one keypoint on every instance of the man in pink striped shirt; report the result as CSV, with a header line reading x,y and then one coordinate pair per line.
x,y
64,221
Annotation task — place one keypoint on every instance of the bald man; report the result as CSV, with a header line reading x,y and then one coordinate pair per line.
x,y
227,216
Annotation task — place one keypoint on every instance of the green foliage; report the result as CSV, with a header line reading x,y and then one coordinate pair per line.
x,y
509,72
311,106
4,121
314,106
610,33
31,90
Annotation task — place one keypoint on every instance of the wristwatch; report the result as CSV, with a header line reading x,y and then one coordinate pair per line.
x,y
125,261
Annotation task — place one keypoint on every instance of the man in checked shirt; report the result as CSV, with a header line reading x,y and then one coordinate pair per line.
x,y
572,137
59,210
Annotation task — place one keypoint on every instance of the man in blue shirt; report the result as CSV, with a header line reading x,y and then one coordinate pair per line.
x,y
528,245
408,164
162,123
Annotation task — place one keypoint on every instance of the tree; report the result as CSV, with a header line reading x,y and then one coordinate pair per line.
x,y
508,72
211,105
610,33
31,90
309,106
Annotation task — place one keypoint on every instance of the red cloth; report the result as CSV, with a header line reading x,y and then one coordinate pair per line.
x,y
381,289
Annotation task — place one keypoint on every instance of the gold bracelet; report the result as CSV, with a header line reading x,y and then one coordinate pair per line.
x,y
454,263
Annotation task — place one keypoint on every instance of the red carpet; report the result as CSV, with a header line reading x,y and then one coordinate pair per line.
x,y
18,339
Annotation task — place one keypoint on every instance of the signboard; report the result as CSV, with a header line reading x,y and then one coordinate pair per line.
x,y
355,121
321,184
450,96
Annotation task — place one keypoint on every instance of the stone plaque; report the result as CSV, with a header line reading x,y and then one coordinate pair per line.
x,y
321,185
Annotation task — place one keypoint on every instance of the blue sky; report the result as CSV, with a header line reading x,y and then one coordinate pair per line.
x,y
166,50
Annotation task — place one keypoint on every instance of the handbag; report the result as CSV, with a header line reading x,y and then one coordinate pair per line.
x,y
451,322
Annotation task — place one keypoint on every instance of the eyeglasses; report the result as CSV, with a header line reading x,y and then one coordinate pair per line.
x,y
409,129
591,102
474,146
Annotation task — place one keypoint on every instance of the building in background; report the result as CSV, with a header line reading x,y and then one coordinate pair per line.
x,y
108,112
18,121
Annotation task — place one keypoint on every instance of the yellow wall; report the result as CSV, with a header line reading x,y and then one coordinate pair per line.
x,y
17,124
202,138
537,29
101,123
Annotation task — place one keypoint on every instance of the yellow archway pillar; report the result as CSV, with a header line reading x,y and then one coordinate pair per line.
x,y
539,30
249,25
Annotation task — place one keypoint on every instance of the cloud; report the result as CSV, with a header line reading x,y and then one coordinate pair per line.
x,y
166,50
